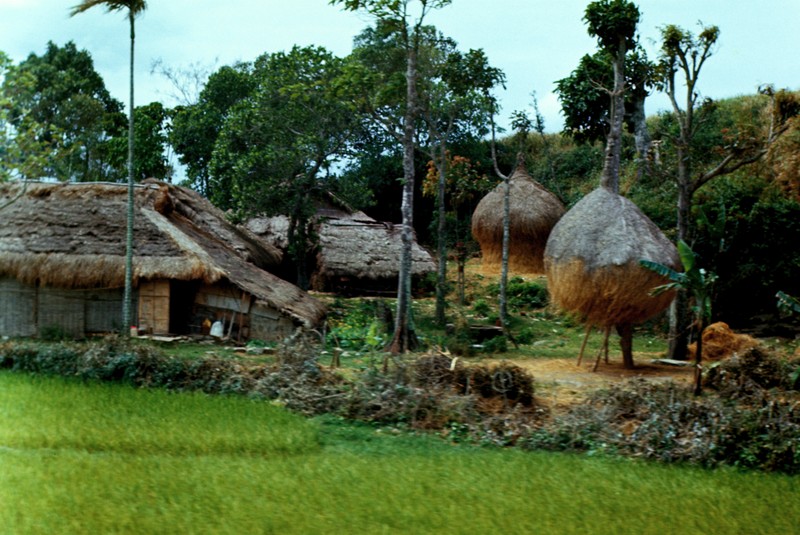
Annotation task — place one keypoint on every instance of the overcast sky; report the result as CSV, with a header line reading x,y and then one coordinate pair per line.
x,y
535,42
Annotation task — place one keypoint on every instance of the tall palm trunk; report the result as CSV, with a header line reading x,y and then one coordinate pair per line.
x,y
127,300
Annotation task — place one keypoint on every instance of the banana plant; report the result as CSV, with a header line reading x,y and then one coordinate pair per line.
x,y
788,303
699,283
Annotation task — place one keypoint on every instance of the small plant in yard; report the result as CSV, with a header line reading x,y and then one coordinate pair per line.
x,y
699,283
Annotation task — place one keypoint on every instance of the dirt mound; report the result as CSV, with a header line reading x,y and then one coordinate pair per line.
x,y
720,342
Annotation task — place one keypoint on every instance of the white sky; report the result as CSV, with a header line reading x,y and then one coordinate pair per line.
x,y
535,42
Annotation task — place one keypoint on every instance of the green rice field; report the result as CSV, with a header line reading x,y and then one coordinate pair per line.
x,y
95,458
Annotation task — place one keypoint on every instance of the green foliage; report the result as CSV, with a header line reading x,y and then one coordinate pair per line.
x,y
693,278
63,116
522,294
743,236
195,127
481,308
612,22
357,326
788,303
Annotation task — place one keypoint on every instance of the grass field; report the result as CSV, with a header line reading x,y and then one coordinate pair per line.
x,y
91,458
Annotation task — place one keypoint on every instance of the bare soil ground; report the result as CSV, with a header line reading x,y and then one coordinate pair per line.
x,y
561,382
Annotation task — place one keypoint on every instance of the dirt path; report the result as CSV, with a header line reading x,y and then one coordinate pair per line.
x,y
561,382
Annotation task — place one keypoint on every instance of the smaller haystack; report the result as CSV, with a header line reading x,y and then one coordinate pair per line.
x,y
533,211
720,342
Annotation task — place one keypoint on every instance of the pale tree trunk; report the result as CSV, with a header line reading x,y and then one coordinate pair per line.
x,y
127,299
610,177
611,170
680,321
441,279
641,136
504,254
404,338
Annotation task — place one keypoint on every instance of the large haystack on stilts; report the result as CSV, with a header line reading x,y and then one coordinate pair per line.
x,y
592,264
533,211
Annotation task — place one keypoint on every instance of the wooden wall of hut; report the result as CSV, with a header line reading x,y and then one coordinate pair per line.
x,y
154,307
269,324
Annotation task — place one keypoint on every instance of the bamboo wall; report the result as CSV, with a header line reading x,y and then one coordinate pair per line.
x,y
30,311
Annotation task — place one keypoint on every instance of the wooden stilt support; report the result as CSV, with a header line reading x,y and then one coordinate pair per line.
x,y
583,345
603,349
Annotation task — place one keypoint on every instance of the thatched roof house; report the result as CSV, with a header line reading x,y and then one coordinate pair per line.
x,y
62,249
356,254
533,211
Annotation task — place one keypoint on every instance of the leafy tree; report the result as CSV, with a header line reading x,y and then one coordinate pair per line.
x,y
613,23
278,144
61,92
23,149
455,103
395,17
684,54
150,132
133,7
196,127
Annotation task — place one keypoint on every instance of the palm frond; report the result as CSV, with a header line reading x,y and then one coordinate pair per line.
x,y
688,258
136,6
661,269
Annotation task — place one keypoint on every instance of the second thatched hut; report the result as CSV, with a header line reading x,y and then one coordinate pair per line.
x,y
533,211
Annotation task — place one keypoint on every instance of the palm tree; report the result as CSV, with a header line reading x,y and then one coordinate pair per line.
x,y
134,7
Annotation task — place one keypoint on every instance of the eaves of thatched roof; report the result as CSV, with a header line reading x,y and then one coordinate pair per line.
x,y
73,236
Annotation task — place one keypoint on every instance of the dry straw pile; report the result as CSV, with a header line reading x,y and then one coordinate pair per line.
x,y
533,213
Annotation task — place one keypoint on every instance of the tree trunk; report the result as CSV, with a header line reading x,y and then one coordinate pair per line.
x,y
680,318
698,360
504,257
127,298
641,136
625,332
610,176
441,279
404,338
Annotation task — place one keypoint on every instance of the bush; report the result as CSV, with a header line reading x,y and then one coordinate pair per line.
x,y
523,294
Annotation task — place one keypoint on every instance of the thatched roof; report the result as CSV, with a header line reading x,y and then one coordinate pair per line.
x,y
351,245
73,236
533,211
592,261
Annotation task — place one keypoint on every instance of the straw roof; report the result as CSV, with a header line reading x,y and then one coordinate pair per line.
x,y
592,261
351,245
73,236
533,211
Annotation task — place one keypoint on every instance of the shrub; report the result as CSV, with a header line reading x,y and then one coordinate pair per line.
x,y
523,294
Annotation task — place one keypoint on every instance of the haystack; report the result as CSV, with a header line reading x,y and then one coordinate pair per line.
x,y
592,263
533,211
720,342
